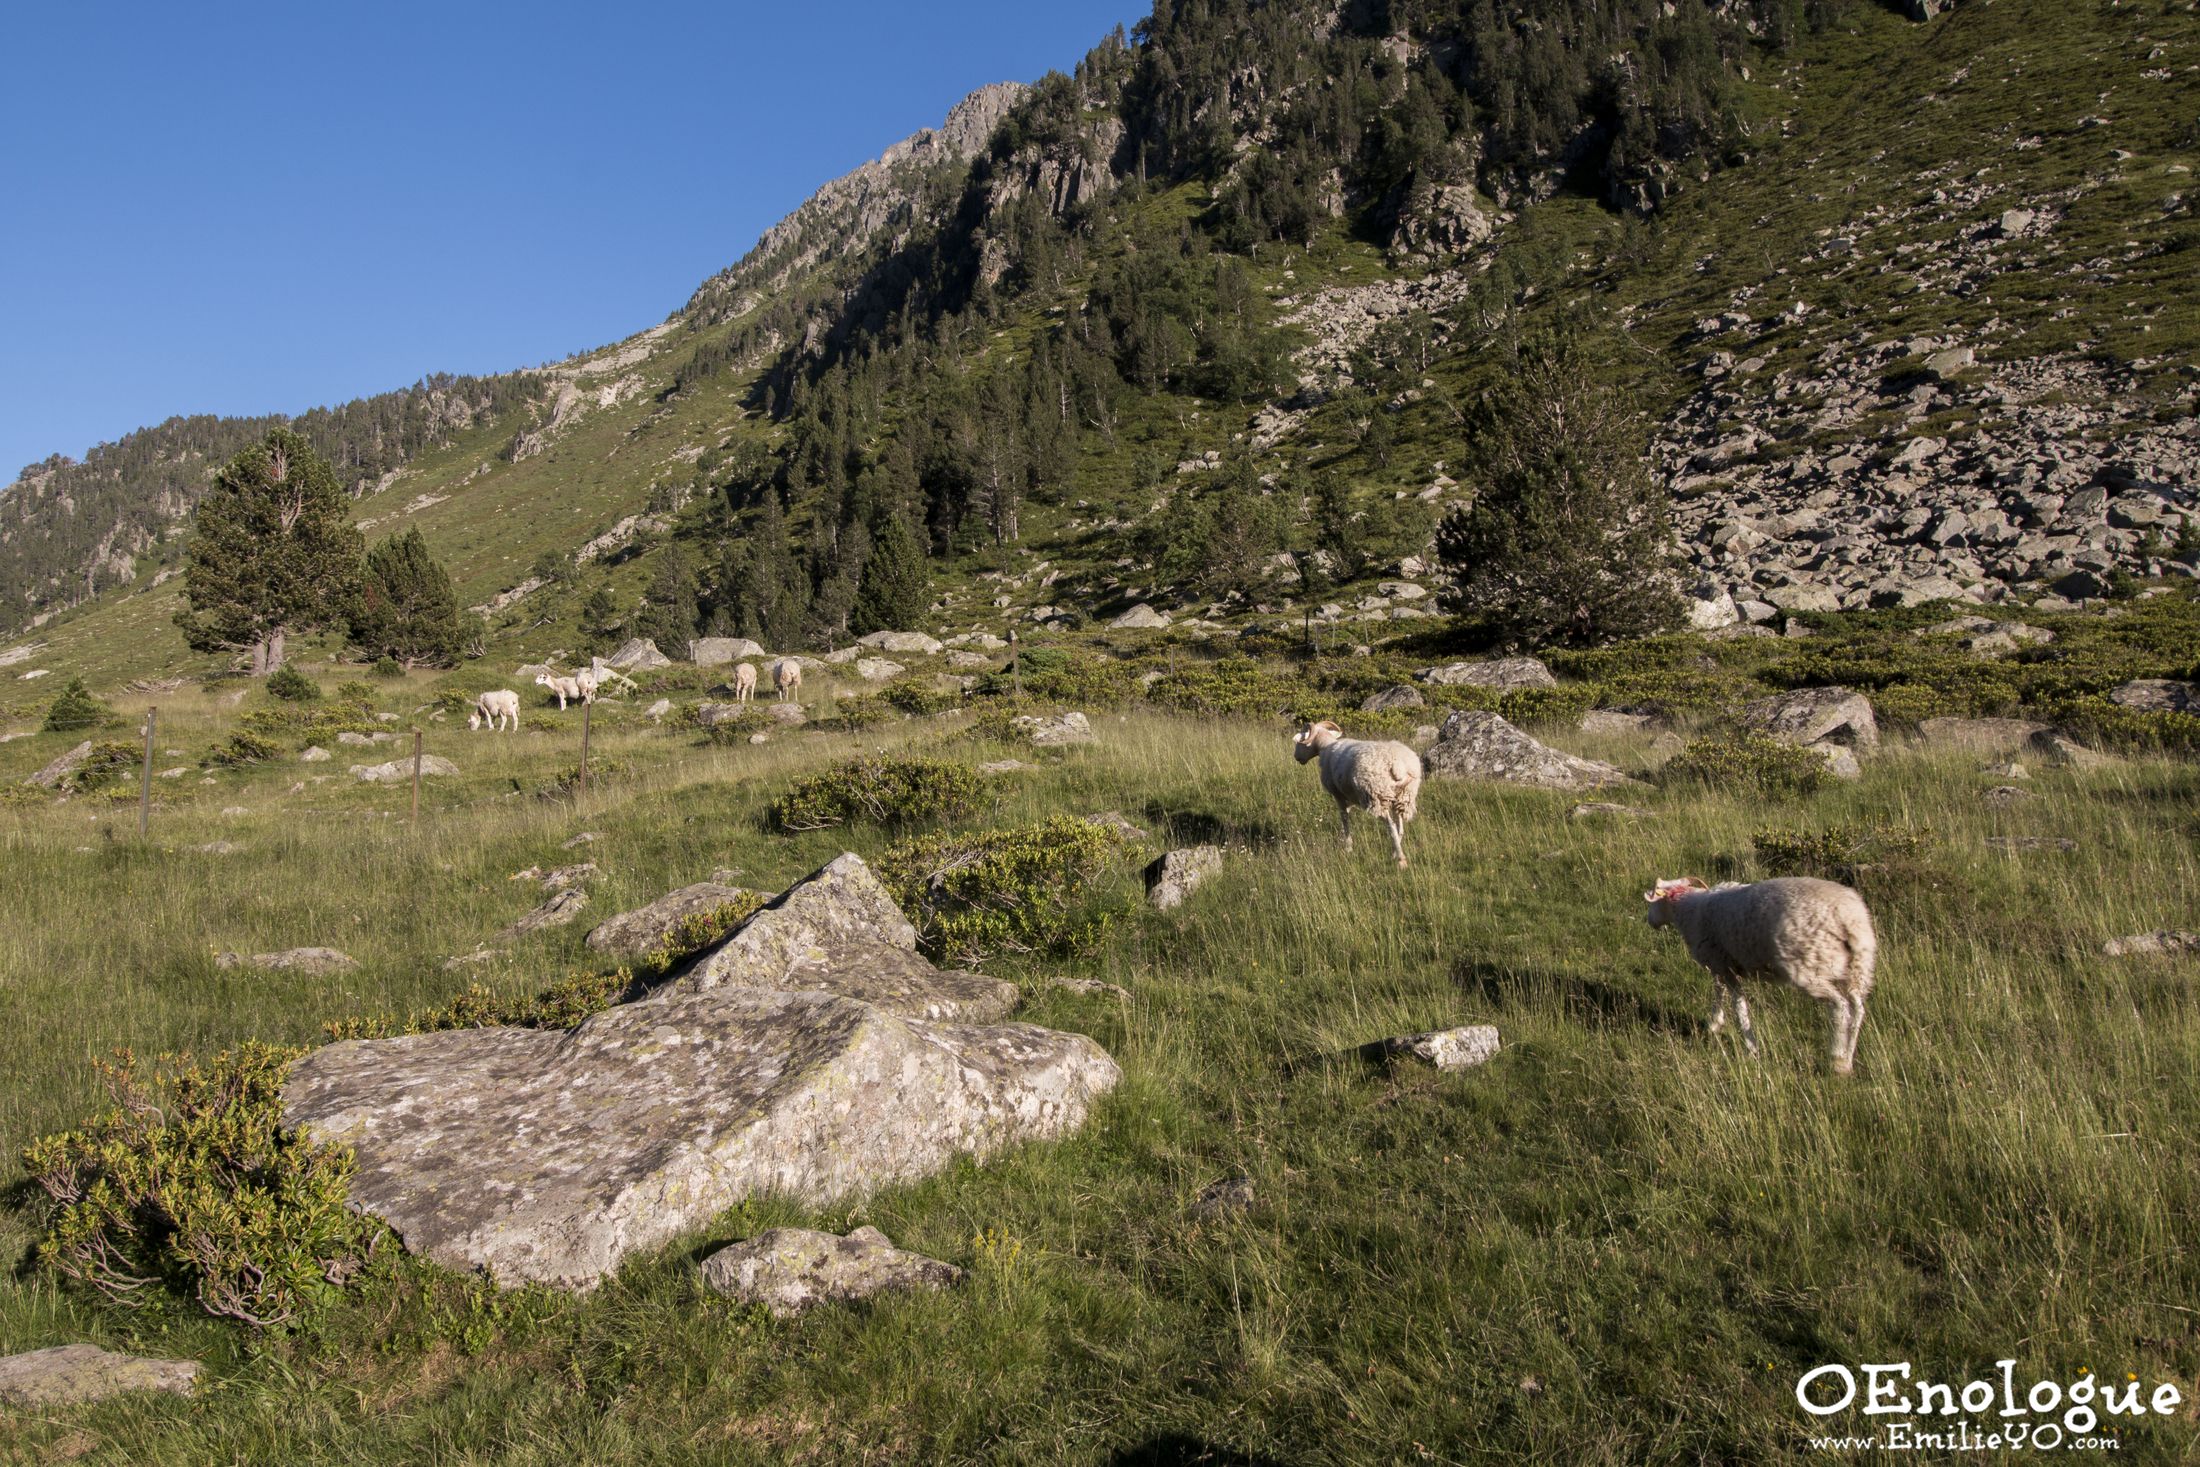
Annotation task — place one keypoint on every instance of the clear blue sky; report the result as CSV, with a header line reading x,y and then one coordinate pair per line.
x,y
250,208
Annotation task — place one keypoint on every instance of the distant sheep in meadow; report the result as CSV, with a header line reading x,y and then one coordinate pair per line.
x,y
744,682
1382,777
787,677
1816,935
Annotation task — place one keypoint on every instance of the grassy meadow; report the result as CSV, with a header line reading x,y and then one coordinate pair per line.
x,y
1620,1241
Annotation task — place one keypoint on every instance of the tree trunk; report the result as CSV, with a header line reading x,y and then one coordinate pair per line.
x,y
274,659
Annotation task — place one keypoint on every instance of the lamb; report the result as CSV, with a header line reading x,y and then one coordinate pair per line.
x,y
787,677
1382,777
499,710
568,688
744,681
1815,934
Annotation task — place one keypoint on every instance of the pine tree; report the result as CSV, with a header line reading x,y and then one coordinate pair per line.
x,y
272,552
74,708
601,618
407,610
896,590
669,611
1567,540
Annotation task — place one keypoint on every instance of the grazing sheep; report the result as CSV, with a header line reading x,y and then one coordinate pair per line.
x,y
1381,777
499,710
787,677
588,680
565,687
1815,934
744,682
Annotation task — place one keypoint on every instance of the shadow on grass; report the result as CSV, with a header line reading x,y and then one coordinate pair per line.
x,y
1586,999
1179,1450
1199,828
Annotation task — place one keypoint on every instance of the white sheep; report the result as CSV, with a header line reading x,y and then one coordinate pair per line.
x,y
744,682
1817,935
787,677
1382,777
567,688
499,710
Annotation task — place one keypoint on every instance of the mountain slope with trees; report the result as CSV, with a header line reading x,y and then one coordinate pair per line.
x,y
1207,319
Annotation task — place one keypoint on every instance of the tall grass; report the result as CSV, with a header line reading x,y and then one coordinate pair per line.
x,y
1619,1242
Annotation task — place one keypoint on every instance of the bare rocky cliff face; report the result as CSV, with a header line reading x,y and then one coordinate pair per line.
x,y
856,209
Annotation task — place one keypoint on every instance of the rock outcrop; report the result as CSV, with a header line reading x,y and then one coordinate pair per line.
x,y
718,651
637,933
1506,674
838,931
547,1157
398,771
1481,745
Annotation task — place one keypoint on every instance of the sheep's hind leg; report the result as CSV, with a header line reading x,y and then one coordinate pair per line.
x,y
1844,1058
1722,1005
1397,838
1344,821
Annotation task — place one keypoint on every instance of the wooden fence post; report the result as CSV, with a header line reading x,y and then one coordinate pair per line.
x,y
145,787
585,707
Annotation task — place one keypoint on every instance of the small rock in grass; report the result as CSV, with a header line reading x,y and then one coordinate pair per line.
x,y
468,960
2031,843
580,840
67,1375
556,912
1091,985
2165,942
1594,809
314,962
1176,875
1116,821
1002,766
218,848
789,1270
1446,1049
314,754
1224,1198
2002,796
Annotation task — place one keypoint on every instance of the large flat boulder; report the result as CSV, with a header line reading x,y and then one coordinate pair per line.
x,y
2157,695
838,931
718,651
903,642
397,771
314,962
1480,745
548,1157
1980,735
1507,674
67,1375
1816,716
61,768
637,653
637,933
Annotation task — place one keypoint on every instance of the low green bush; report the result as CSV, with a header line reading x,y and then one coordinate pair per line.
x,y
75,709
865,710
293,686
388,667
1845,852
1059,675
1749,762
106,760
355,692
1027,889
188,1188
878,790
919,697
245,747
562,1005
